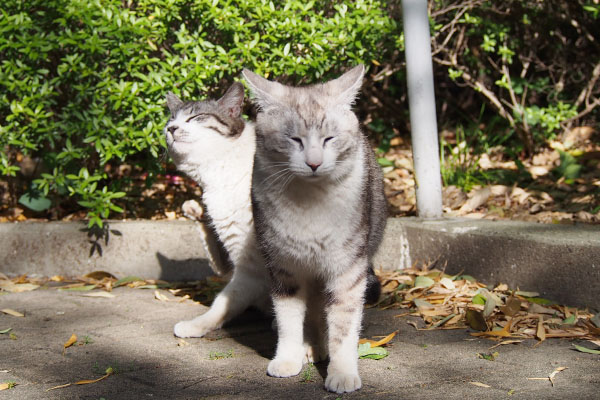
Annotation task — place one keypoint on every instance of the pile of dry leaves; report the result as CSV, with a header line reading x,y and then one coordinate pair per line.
x,y
458,302
200,291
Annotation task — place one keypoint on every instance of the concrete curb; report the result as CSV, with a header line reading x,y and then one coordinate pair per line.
x,y
562,262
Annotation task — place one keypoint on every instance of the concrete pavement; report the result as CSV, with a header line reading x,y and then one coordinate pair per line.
x,y
133,334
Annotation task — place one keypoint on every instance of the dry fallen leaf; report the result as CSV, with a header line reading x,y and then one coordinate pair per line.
x,y
12,287
59,387
5,386
483,385
551,376
505,342
380,342
159,296
12,312
541,331
109,371
69,343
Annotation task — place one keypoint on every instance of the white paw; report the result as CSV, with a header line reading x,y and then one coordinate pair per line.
x,y
193,328
342,382
282,368
192,209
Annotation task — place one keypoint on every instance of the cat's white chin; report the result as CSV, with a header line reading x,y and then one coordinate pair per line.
x,y
318,177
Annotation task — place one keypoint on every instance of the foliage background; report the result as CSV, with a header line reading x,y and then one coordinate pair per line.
x,y
82,83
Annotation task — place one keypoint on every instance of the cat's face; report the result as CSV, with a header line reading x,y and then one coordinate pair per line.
x,y
310,130
196,127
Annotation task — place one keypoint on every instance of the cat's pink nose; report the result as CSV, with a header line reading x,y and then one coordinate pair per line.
x,y
313,166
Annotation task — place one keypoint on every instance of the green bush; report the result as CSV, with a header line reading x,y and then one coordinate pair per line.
x,y
82,83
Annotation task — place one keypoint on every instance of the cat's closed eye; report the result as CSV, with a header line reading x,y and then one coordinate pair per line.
x,y
299,141
197,117
327,139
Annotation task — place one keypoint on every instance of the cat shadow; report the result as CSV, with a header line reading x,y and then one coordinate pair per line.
x,y
190,269
255,330
252,329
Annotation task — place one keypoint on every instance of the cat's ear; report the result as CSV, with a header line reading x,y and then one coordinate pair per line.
x,y
232,100
344,89
266,93
173,102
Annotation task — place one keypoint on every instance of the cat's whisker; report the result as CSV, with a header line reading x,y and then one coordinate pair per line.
x,y
278,163
272,179
289,179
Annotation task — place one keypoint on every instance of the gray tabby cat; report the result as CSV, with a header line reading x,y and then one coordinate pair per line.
x,y
319,212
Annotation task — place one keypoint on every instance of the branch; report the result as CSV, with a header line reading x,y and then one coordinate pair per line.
x,y
587,91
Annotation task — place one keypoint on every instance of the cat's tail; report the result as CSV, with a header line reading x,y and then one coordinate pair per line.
x,y
373,290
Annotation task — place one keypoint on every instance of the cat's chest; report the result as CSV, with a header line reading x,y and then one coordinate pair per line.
x,y
312,219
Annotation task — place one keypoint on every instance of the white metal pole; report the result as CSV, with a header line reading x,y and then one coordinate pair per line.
x,y
421,98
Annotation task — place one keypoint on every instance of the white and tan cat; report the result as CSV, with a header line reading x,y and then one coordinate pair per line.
x,y
211,143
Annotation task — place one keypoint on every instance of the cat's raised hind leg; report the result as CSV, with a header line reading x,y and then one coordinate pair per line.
x,y
242,291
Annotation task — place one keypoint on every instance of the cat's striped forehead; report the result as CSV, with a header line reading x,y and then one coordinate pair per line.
x,y
196,107
209,112
310,109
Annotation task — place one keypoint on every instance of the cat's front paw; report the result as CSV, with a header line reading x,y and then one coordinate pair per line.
x,y
340,382
193,328
283,368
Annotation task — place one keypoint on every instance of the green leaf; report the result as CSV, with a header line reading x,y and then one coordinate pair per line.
x,y
476,320
5,331
423,282
443,321
36,202
375,353
586,350
488,356
420,303
540,300
526,294
467,278
570,320
384,162
84,288
126,280
596,320
478,299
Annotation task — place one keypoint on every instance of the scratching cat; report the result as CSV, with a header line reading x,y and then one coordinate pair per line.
x,y
319,211
212,144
